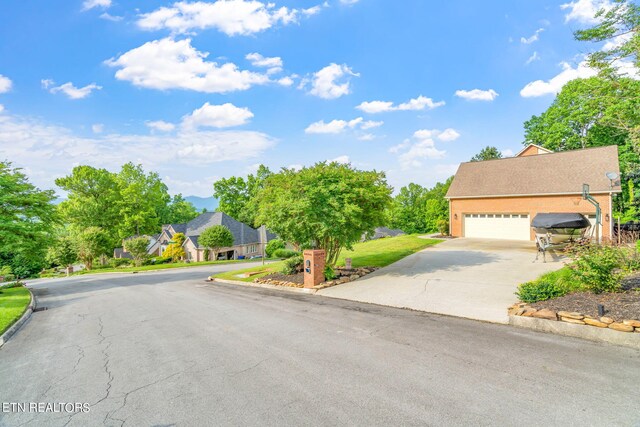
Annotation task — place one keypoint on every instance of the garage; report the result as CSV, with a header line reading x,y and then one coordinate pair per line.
x,y
497,226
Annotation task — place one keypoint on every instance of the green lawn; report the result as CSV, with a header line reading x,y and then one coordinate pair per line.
x,y
13,302
157,267
374,253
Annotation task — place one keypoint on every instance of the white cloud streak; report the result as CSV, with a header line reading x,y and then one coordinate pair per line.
x,y
416,104
477,94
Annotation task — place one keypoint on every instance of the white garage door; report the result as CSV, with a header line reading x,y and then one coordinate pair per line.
x,y
497,226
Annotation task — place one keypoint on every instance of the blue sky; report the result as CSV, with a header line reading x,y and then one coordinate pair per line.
x,y
202,90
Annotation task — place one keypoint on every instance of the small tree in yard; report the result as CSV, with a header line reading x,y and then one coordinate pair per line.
x,y
216,237
91,243
175,250
137,247
328,206
63,253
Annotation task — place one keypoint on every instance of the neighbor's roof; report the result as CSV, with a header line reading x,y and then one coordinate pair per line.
x,y
242,233
542,174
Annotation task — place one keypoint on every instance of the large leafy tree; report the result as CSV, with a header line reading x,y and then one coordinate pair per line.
x,y
178,211
63,252
408,209
236,195
328,206
487,153
27,216
91,243
215,238
137,247
437,207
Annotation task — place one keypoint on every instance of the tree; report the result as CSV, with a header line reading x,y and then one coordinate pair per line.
x,y
236,195
587,113
620,25
408,209
93,200
63,252
216,237
487,153
175,250
273,246
437,207
91,243
178,211
27,216
137,247
328,206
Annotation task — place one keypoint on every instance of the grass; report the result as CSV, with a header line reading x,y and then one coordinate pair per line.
x,y
13,302
374,253
553,284
155,267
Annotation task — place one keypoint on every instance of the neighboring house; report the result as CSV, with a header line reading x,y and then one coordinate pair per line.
x,y
247,241
499,198
122,253
382,232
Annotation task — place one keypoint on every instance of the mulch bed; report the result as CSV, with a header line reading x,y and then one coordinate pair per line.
x,y
293,278
618,306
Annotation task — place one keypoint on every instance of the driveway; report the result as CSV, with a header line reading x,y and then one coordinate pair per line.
x,y
472,278
168,349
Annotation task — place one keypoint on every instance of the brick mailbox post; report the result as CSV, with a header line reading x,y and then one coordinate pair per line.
x,y
313,268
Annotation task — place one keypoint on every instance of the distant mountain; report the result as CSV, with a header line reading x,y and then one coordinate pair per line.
x,y
208,203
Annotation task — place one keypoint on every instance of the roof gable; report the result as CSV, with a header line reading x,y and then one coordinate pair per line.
x,y
554,173
242,233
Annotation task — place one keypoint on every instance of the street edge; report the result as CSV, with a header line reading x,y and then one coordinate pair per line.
x,y
266,286
586,332
25,316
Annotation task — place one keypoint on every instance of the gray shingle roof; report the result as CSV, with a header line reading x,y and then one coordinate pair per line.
x,y
242,233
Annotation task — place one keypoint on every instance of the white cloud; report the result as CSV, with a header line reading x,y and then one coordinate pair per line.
x,y
416,104
90,4
370,124
175,64
192,187
334,126
349,1
217,116
532,58
258,60
232,17
366,137
507,152
448,135
160,125
422,147
333,81
113,18
477,94
584,11
285,81
97,128
553,85
533,38
341,159
70,90
53,150
1,108
5,84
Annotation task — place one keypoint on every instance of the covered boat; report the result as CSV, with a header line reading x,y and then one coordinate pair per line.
x,y
560,227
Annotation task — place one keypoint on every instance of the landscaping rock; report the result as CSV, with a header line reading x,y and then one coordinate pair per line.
x,y
354,277
546,314
594,322
621,327
634,323
572,320
607,320
528,312
571,315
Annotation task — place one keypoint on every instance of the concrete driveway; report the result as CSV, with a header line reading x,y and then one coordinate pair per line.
x,y
472,278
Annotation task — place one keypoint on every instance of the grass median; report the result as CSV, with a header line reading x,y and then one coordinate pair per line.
x,y
13,303
374,253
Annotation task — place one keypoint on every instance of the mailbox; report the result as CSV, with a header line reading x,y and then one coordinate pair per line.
x,y
313,267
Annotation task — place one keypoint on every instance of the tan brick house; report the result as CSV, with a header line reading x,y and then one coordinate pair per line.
x,y
499,198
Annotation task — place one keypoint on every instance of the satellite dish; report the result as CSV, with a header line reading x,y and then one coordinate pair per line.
x,y
611,175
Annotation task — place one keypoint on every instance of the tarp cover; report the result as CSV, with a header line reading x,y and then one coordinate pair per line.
x,y
560,220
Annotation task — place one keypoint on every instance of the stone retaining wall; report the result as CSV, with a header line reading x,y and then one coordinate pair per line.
x,y
344,276
524,310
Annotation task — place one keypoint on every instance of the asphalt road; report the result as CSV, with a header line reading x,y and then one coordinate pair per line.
x,y
163,349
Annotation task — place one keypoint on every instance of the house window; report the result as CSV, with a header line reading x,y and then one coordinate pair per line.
x,y
253,249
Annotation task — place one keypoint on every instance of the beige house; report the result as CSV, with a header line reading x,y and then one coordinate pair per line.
x,y
499,198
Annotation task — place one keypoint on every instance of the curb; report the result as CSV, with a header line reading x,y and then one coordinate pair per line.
x,y
21,321
266,286
586,332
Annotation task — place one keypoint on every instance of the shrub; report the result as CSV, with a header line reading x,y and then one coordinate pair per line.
x,y
119,262
6,273
601,268
160,260
443,227
550,285
285,253
273,246
329,273
293,265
